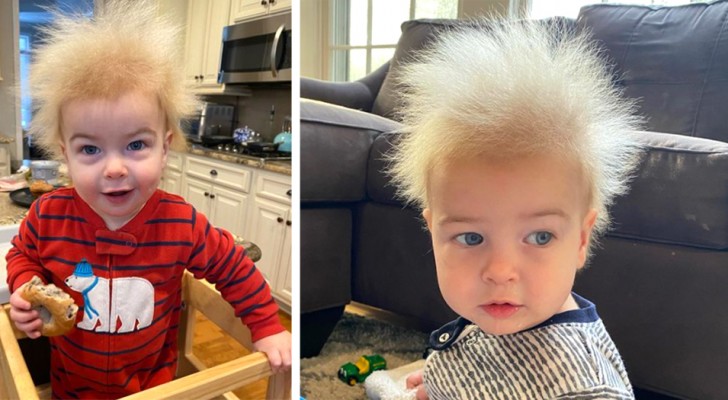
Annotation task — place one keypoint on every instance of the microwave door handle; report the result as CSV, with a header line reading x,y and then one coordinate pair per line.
x,y
274,50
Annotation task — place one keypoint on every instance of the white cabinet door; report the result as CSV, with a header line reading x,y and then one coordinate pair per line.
x,y
284,283
197,193
268,228
205,21
228,210
218,16
172,182
247,9
195,40
279,5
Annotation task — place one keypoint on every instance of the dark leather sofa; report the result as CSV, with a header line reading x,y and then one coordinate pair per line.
x,y
659,277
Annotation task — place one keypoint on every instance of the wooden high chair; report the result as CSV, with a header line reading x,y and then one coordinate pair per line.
x,y
194,379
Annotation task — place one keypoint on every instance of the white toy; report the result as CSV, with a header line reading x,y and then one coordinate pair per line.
x,y
392,384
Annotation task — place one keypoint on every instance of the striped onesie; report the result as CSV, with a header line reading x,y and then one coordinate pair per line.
x,y
127,284
569,356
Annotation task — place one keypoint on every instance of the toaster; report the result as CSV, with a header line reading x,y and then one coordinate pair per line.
x,y
213,124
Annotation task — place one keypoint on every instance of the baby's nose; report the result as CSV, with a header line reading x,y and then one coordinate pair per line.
x,y
499,268
115,167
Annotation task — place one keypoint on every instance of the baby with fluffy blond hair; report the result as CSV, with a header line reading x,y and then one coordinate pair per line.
x,y
516,142
108,94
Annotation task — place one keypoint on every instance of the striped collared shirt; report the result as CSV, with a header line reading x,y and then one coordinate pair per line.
x,y
570,356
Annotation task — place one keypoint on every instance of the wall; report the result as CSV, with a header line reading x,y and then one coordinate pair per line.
x,y
9,108
313,31
254,110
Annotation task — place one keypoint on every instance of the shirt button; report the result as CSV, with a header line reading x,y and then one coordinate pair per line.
x,y
444,337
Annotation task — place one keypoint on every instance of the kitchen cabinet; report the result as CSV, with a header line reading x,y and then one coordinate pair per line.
x,y
220,190
249,202
205,22
271,229
248,9
172,176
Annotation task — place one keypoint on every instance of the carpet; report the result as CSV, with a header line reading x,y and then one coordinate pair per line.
x,y
353,337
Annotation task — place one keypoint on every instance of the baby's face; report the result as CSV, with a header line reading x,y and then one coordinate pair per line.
x,y
116,151
508,239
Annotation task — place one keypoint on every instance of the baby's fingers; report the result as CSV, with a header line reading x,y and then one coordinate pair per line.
x,y
23,316
414,379
275,360
31,328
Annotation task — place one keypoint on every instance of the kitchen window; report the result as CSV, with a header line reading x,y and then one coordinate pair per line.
x,y
364,33
570,8
33,17
25,105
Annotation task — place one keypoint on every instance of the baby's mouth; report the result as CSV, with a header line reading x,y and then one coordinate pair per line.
x,y
500,310
117,193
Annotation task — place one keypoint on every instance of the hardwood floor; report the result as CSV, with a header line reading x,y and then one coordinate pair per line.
x,y
214,347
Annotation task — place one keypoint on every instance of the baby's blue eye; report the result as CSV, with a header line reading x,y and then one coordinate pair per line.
x,y
469,239
540,238
89,150
136,145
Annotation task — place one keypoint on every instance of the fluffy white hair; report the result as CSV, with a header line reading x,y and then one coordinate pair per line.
x,y
511,89
127,46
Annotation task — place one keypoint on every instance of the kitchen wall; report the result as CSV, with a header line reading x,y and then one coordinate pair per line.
x,y
9,108
254,110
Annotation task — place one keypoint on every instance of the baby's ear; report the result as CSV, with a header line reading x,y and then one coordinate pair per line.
x,y
585,237
167,141
427,215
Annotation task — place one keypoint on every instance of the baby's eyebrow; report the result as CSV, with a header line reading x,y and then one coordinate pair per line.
x,y
452,219
557,212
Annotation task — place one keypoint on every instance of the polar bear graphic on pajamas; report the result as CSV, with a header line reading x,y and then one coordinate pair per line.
x,y
132,301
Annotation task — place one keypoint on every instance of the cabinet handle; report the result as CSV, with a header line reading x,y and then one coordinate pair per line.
x,y
288,223
213,172
212,196
263,3
288,193
207,194
279,219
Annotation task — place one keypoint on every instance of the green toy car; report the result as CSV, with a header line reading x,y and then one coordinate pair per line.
x,y
353,373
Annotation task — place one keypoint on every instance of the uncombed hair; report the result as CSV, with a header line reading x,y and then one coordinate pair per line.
x,y
126,46
512,89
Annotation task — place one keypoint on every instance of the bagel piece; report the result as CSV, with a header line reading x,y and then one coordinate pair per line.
x,y
37,188
56,308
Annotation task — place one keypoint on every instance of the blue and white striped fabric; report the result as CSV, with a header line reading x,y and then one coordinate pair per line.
x,y
563,358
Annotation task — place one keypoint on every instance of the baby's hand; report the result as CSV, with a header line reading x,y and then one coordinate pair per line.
x,y
25,318
278,349
415,381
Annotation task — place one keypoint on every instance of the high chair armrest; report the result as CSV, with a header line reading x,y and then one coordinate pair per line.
x,y
16,382
211,382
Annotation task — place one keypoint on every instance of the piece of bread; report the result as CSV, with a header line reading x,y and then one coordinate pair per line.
x,y
56,308
38,187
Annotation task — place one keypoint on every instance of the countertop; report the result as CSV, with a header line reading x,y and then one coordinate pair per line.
x,y
11,213
281,167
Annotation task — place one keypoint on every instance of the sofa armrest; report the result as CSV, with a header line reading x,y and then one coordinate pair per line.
x,y
358,95
335,143
679,195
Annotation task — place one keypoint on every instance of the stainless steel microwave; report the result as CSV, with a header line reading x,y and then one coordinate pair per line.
x,y
257,51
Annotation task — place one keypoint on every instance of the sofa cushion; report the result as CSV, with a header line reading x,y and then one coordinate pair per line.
x,y
673,59
682,190
416,34
336,141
